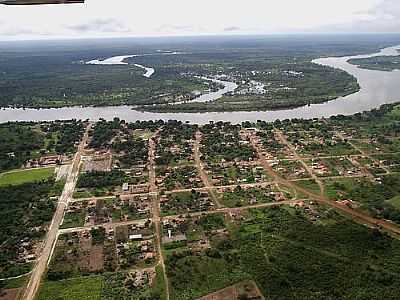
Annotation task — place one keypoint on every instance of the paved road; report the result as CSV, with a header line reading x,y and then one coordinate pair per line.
x,y
51,236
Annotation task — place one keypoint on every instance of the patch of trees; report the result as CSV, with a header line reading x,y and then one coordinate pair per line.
x,y
175,133
374,196
17,144
103,132
193,275
212,222
134,151
222,140
67,133
381,63
24,209
100,179
98,235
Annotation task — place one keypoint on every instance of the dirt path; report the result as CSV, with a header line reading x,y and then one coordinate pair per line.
x,y
233,209
105,225
156,215
297,157
51,237
231,292
203,175
363,153
354,214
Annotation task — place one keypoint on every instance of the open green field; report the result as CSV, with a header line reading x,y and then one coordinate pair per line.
x,y
81,288
159,284
310,185
395,201
25,176
15,282
74,219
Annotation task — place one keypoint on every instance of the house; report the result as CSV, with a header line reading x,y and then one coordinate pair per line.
x,y
135,237
125,187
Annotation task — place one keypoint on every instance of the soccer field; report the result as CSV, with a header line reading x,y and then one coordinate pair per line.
x,y
24,176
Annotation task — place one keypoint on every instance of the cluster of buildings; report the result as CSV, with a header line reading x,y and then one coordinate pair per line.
x,y
44,161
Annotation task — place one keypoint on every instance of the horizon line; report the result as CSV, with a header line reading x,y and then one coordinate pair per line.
x,y
76,38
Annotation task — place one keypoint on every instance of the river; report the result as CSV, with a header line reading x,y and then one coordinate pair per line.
x,y
377,88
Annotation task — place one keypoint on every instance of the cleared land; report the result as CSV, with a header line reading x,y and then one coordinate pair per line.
x,y
82,288
25,176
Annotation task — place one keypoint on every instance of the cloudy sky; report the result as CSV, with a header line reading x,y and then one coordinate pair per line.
x,y
118,18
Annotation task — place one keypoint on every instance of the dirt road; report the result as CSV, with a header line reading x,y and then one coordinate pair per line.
x,y
203,175
156,207
363,154
297,157
225,210
357,216
51,236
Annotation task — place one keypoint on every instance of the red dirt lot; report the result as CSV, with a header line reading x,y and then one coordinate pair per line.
x,y
233,292
96,259
10,294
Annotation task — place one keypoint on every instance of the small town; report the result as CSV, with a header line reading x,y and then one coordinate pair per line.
x,y
136,198
199,150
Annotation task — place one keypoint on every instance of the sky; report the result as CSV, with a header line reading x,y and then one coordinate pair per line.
x,y
135,18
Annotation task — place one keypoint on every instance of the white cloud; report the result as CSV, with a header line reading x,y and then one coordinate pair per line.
x,y
99,25
183,17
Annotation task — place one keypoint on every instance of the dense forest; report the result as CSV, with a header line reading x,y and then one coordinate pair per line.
x,y
54,74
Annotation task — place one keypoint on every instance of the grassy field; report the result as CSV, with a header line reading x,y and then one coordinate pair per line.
x,y
159,284
81,288
74,219
16,282
395,201
310,185
25,176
